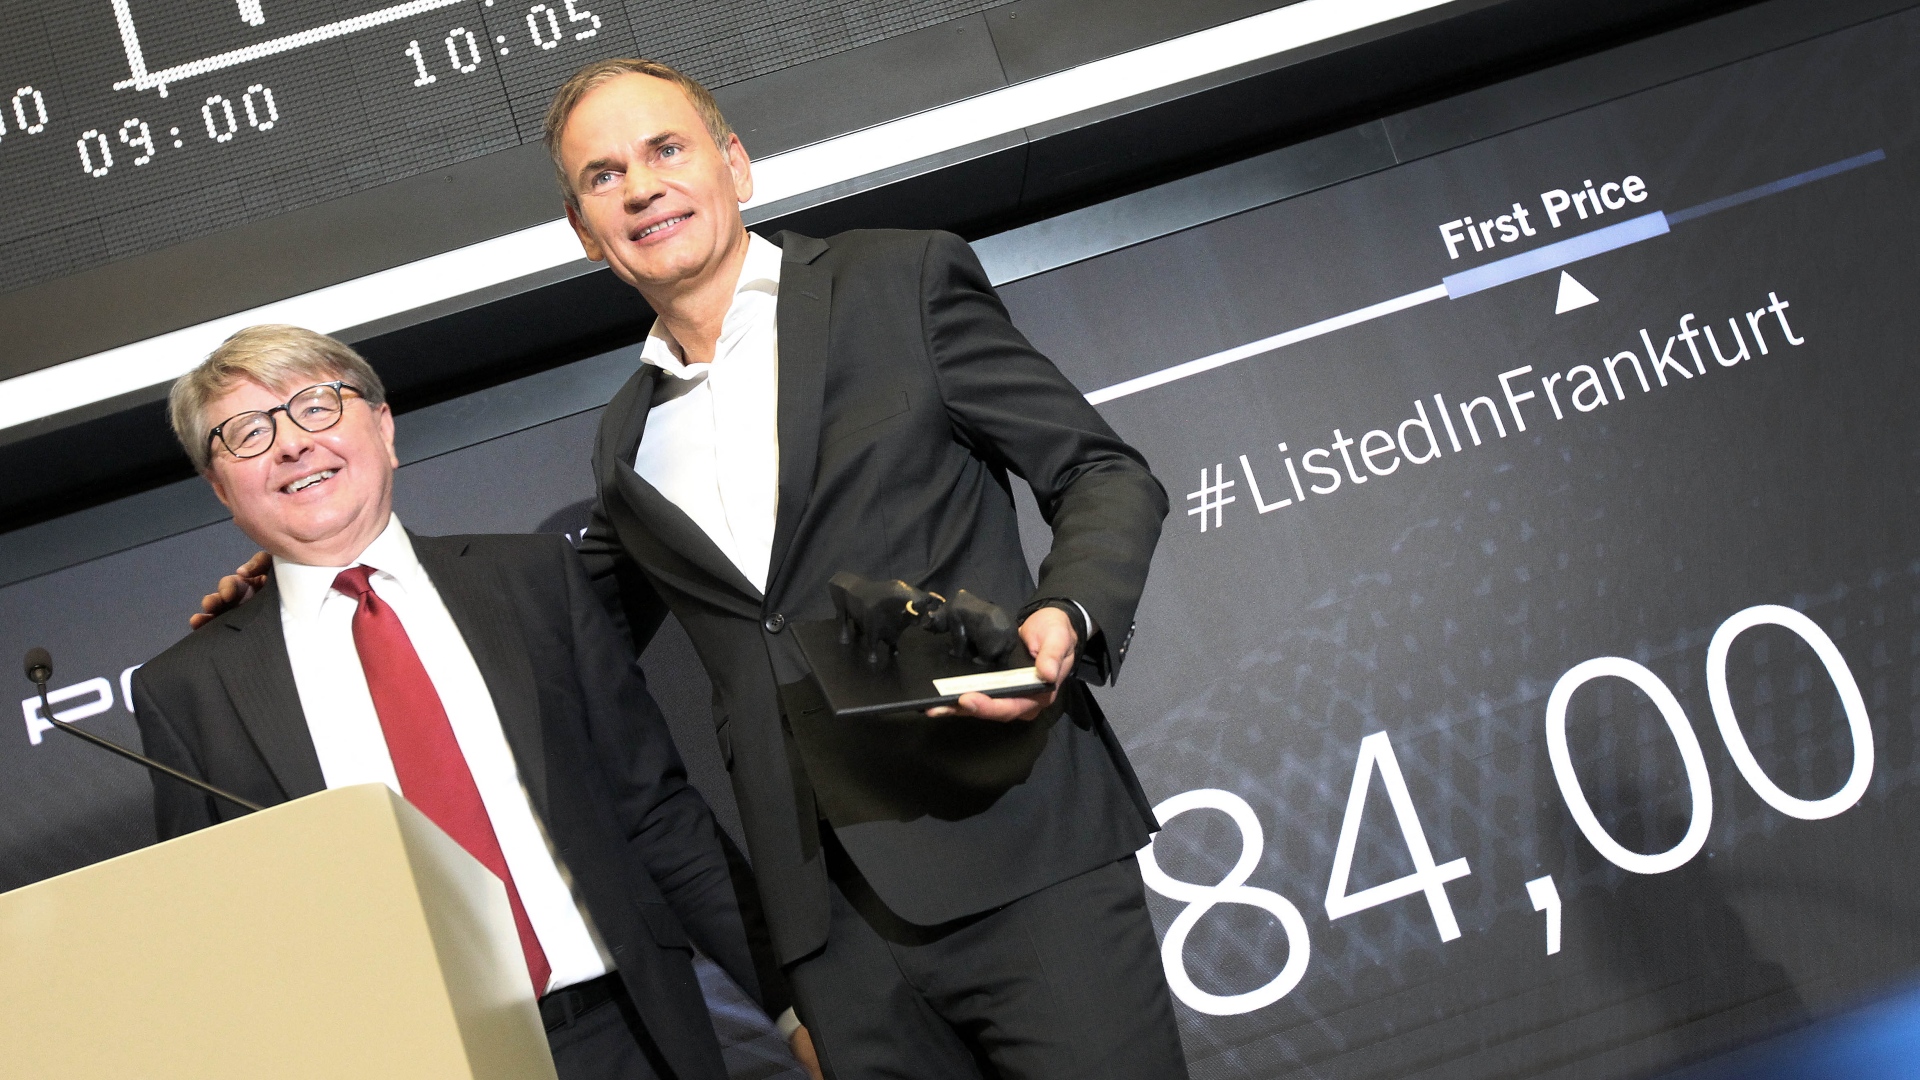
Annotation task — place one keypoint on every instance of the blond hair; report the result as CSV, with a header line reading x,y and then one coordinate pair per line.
x,y
567,98
274,355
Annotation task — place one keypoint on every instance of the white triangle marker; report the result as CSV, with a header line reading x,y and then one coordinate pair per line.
x,y
1572,295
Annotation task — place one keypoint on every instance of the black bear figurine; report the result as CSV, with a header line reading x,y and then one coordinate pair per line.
x,y
872,614
980,630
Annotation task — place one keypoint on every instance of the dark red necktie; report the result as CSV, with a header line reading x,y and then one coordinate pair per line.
x,y
426,757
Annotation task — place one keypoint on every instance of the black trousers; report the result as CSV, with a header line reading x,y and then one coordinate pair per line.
x,y
606,1041
1063,983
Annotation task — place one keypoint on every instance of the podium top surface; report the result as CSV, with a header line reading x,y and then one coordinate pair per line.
x,y
342,934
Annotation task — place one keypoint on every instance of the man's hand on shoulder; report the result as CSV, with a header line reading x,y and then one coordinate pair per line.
x,y
1048,634
234,589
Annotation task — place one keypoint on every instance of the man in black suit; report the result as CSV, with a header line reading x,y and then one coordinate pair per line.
x,y
952,895
480,676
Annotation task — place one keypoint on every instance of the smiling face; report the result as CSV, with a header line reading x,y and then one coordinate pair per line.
x,y
317,497
659,200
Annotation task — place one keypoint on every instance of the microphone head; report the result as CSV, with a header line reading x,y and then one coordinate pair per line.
x,y
39,665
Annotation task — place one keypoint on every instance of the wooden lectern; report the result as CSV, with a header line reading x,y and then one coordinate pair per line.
x,y
342,935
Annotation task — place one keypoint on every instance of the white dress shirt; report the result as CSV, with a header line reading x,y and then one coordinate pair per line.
x,y
347,737
712,443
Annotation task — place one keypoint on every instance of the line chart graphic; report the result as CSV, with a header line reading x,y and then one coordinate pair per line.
x,y
139,78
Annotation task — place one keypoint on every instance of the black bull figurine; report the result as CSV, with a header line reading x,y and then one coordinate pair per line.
x,y
978,629
873,614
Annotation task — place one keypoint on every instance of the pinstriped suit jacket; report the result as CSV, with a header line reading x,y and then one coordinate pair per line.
x,y
593,751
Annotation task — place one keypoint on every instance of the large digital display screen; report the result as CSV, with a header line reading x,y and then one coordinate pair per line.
x,y
126,125
1529,676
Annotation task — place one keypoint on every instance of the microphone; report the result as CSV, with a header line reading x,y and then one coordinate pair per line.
x,y
39,669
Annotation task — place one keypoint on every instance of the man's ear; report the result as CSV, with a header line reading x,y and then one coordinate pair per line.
x,y
595,253
741,167
384,417
219,487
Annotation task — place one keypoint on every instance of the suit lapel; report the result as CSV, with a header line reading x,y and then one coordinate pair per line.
x,y
258,678
627,418
804,314
674,545
476,598
669,539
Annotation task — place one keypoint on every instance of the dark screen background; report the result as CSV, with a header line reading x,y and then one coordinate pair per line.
x,y
346,112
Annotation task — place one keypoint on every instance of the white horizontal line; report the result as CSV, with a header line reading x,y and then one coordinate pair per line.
x,y
166,357
147,81
1075,90
156,360
1266,345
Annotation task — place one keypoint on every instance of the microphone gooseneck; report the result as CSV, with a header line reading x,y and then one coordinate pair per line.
x,y
39,669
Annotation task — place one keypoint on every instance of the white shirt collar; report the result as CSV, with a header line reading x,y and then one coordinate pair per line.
x,y
303,589
759,277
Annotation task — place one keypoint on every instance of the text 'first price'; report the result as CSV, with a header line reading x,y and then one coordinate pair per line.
x,y
1561,206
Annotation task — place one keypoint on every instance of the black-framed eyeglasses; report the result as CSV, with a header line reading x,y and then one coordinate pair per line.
x,y
250,434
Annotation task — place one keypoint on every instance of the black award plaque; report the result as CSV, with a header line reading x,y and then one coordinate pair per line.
x,y
895,649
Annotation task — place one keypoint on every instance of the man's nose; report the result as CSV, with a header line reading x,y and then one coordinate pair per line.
x,y
291,441
643,186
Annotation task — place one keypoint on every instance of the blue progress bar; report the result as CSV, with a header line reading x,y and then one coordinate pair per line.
x,y
1764,190
1555,255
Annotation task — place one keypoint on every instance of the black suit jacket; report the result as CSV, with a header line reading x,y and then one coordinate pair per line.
x,y
593,751
906,397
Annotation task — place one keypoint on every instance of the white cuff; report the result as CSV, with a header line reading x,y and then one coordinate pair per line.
x,y
788,1023
1088,619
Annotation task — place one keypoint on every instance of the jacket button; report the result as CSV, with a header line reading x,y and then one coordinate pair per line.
x,y
774,623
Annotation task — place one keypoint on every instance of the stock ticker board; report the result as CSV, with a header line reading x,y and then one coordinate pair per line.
x,y
126,125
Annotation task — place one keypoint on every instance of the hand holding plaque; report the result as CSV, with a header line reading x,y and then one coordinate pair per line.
x,y
895,648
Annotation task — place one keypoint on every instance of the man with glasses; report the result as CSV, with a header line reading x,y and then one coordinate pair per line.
x,y
477,676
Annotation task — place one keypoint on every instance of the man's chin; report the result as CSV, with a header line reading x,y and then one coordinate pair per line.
x,y
317,535
665,268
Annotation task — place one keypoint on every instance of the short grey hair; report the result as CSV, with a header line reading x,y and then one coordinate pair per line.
x,y
274,355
